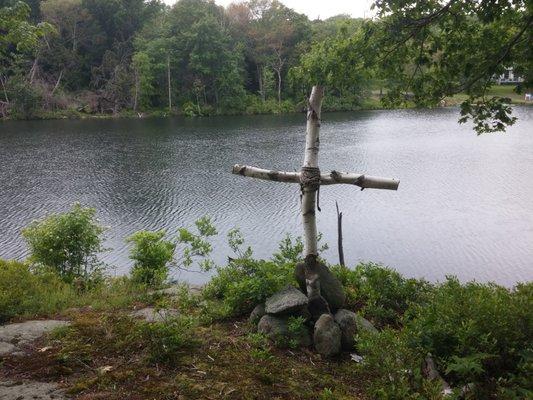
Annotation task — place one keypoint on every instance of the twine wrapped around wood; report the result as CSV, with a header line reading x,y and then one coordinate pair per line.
x,y
310,178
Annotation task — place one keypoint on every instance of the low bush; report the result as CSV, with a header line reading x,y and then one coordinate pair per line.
x,y
26,294
379,293
244,283
478,334
151,254
67,244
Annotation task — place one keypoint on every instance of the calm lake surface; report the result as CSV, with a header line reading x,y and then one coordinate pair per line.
x,y
464,206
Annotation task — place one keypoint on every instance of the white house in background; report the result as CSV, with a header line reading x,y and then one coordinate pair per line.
x,y
508,77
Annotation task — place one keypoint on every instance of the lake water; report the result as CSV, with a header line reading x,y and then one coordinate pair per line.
x,y
464,206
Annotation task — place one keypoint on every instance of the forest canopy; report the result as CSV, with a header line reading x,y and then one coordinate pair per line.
x,y
258,56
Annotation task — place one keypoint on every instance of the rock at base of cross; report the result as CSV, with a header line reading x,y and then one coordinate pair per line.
x,y
331,288
276,328
327,336
287,301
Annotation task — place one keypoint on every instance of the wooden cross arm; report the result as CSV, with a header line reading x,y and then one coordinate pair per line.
x,y
334,177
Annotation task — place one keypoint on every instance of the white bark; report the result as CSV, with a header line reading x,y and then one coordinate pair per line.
x,y
266,174
333,178
312,142
169,85
363,181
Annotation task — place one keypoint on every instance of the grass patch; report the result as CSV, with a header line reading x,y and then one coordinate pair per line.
x,y
26,294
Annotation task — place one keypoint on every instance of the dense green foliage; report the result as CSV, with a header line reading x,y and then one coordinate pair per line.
x,y
24,293
151,254
426,51
243,284
381,294
75,57
67,244
478,334
29,293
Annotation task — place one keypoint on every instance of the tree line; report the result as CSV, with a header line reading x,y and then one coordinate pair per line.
x,y
196,58
105,56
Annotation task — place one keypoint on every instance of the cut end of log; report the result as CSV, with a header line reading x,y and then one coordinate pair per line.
x,y
238,169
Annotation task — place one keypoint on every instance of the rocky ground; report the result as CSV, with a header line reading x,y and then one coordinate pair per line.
x,y
16,340
227,361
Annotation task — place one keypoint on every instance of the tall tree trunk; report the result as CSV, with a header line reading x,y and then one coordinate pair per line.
x,y
33,70
279,85
136,93
57,83
169,87
3,82
261,83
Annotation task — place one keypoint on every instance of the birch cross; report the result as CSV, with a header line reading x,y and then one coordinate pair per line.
x,y
310,179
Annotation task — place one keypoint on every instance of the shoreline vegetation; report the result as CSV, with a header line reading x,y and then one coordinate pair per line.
x,y
372,102
135,58
138,336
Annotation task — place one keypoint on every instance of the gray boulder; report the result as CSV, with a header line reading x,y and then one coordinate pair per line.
x,y
351,324
330,287
317,306
276,329
287,301
364,325
347,321
327,336
257,314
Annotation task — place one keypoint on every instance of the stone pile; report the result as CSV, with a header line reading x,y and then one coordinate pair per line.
x,y
329,327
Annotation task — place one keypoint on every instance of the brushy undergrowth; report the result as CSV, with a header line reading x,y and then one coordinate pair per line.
x,y
478,334
25,293
380,293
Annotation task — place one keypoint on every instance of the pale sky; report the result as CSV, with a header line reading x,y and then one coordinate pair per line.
x,y
319,8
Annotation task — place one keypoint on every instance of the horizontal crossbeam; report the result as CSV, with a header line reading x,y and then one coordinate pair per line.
x,y
334,177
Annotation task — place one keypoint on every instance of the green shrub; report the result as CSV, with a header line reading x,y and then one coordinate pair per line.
x,y
244,283
478,334
25,294
393,367
151,254
67,244
381,294
196,245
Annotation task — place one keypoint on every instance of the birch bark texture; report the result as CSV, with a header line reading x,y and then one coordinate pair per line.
x,y
310,174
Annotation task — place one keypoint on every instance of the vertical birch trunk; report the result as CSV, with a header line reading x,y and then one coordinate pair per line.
x,y
310,182
312,142
169,87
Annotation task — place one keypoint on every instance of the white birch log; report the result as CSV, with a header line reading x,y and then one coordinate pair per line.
x,y
312,143
363,181
333,178
266,174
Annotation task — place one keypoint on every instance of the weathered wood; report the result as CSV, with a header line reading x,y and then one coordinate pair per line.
x,y
334,177
339,236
